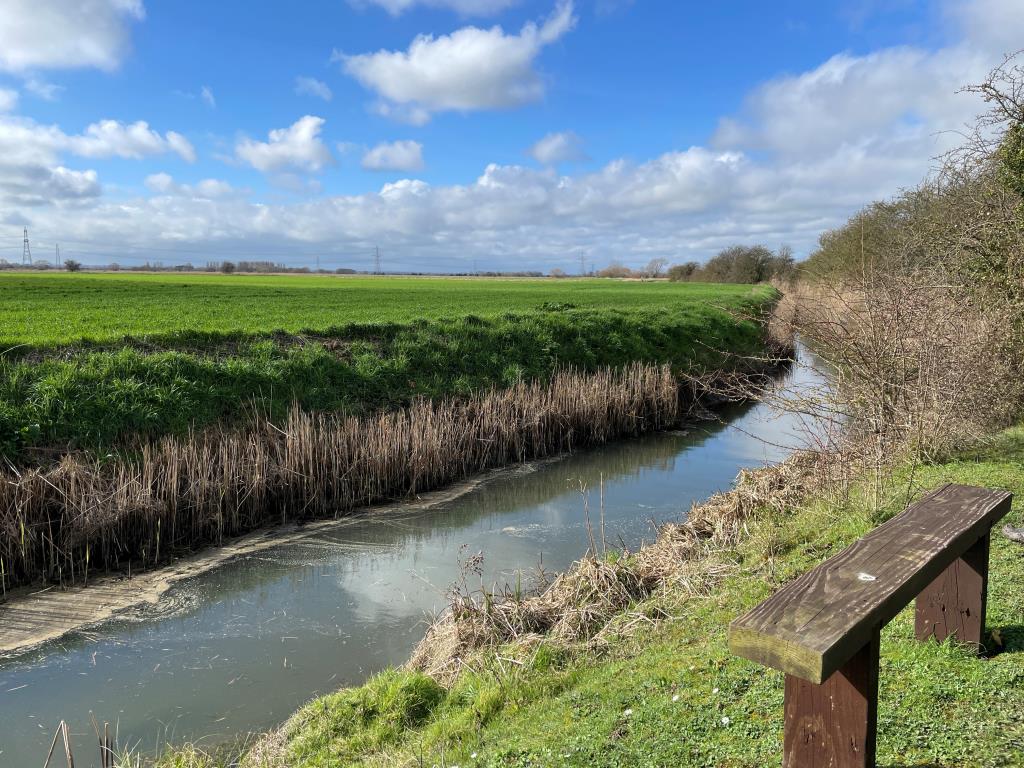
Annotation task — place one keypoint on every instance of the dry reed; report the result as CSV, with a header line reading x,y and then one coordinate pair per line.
x,y
86,515
590,600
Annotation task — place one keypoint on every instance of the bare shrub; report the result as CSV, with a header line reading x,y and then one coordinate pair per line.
x,y
916,365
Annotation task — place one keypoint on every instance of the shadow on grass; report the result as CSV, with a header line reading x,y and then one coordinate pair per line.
x,y
1006,639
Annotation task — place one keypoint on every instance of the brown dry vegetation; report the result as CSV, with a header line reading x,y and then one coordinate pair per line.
x,y
916,365
918,302
590,600
86,514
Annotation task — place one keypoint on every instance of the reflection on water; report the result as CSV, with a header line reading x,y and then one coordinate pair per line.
x,y
239,648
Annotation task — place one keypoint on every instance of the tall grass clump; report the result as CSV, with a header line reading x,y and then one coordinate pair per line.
x,y
87,514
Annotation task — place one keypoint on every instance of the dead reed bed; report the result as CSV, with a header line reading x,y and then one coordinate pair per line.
x,y
593,598
85,514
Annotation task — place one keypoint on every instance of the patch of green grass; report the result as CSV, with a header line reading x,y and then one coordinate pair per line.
x,y
185,374
343,726
674,695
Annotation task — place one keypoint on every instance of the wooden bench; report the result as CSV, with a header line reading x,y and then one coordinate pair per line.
x,y
822,628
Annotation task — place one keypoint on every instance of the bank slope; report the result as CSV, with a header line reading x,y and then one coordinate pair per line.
x,y
662,689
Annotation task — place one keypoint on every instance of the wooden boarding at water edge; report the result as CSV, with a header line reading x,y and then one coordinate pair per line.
x,y
822,628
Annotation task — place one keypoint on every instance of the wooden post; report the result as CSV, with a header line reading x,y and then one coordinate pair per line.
x,y
954,603
834,724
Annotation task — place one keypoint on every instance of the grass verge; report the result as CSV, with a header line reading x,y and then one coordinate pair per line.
x,y
668,692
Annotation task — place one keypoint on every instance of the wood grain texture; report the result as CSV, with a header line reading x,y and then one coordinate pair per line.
x,y
814,624
953,605
834,724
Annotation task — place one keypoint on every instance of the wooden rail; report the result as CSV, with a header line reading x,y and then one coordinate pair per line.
x,y
822,628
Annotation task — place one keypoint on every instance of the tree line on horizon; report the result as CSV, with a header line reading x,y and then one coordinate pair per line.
x,y
735,264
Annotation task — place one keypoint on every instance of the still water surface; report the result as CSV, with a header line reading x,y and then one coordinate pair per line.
x,y
238,649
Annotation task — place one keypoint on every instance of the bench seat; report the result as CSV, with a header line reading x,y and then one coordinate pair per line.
x,y
815,624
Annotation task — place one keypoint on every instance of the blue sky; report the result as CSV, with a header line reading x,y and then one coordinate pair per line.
x,y
502,133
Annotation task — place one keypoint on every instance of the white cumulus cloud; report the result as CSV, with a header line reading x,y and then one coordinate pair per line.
x,y
310,86
557,148
63,34
395,156
164,184
469,69
181,145
892,93
110,138
43,89
297,147
160,182
32,171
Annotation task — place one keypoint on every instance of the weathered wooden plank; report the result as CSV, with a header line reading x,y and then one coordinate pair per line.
x,y
834,724
814,624
953,605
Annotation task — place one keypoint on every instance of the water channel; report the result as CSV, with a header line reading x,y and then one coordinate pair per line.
x,y
238,649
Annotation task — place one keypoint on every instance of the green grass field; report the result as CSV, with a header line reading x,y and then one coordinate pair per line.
x,y
92,361
57,309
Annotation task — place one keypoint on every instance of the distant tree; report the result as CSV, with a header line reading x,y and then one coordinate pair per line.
x,y
71,265
655,267
739,264
682,272
556,272
615,269
782,265
115,267
227,267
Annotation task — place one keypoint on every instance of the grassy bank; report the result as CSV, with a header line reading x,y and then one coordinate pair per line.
x,y
659,687
93,360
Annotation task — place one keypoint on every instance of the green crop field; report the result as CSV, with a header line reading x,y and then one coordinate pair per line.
x,y
57,309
